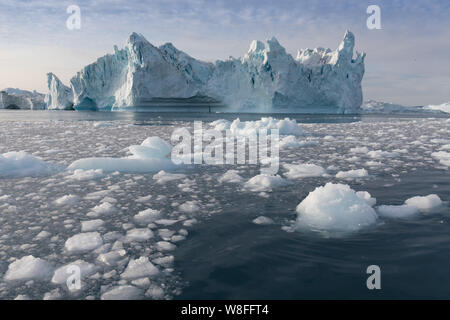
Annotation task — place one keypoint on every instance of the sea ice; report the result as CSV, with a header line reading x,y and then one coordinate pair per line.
x,y
351,174
335,208
28,268
21,164
84,242
265,182
138,268
402,211
296,171
424,203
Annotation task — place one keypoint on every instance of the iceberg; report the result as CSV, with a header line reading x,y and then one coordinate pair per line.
x,y
265,79
12,98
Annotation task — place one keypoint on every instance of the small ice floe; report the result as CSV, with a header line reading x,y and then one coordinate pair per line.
x,y
144,199
138,234
91,225
105,208
424,203
139,268
147,216
237,128
401,211
123,292
163,177
262,220
296,171
61,274
231,176
265,182
363,150
165,246
42,235
150,156
67,200
28,268
189,207
443,157
335,208
379,154
83,175
21,164
84,242
292,142
352,174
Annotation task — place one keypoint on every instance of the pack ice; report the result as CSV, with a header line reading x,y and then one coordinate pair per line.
x,y
266,78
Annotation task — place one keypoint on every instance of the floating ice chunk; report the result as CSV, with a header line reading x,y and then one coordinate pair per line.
x,y
164,261
97,195
296,171
247,128
61,274
82,175
163,177
112,258
138,234
292,142
144,199
367,197
262,220
21,164
102,209
147,216
359,150
424,203
378,154
150,156
335,208
139,268
165,246
42,235
55,294
166,222
124,292
141,282
402,211
67,200
91,225
351,174
221,124
265,182
84,242
103,124
231,176
189,207
22,297
155,292
28,268
443,157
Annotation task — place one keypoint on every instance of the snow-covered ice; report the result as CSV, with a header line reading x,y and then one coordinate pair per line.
x,y
335,208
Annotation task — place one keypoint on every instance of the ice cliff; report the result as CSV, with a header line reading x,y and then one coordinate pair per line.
x,y
266,79
11,98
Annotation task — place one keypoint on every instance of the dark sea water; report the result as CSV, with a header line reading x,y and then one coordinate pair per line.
x,y
226,255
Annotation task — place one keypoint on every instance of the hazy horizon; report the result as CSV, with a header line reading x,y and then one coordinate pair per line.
x,y
407,60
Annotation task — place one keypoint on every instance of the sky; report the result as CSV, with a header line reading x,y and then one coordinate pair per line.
x,y
408,59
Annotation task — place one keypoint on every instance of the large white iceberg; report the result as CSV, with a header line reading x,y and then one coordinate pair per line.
x,y
267,78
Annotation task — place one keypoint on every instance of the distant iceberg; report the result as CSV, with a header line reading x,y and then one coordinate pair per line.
x,y
445,107
266,79
372,106
12,98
